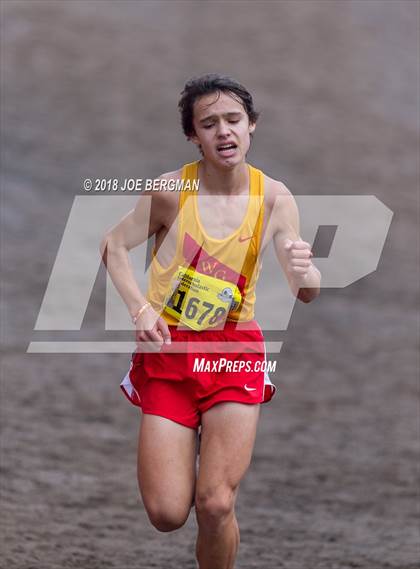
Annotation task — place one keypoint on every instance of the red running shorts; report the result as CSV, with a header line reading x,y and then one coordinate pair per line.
x,y
181,385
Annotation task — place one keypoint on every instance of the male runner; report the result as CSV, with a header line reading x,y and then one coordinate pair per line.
x,y
201,295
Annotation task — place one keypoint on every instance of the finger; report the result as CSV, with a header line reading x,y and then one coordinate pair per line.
x,y
301,245
301,254
164,330
140,336
300,270
146,344
141,341
288,244
301,263
154,336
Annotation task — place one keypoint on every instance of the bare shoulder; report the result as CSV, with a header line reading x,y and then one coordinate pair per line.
x,y
164,198
277,195
165,203
280,209
174,175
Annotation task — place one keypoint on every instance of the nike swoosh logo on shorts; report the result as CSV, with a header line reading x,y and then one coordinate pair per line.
x,y
242,239
250,388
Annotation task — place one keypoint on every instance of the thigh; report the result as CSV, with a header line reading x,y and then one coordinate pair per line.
x,y
166,465
227,441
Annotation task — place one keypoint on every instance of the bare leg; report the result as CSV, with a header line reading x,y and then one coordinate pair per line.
x,y
227,441
166,470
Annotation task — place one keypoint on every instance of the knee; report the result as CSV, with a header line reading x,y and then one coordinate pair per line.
x,y
213,507
166,519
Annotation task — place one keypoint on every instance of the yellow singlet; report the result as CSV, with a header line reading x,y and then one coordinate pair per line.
x,y
234,260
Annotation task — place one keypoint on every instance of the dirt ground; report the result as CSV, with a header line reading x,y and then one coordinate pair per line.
x,y
89,89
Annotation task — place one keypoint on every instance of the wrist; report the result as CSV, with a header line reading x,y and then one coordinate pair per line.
x,y
136,315
310,279
135,305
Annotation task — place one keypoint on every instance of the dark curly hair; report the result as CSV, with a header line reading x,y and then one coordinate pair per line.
x,y
205,85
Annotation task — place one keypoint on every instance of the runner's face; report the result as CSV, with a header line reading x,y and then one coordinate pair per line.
x,y
222,129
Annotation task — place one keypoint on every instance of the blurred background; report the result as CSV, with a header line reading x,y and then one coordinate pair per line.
x,y
90,89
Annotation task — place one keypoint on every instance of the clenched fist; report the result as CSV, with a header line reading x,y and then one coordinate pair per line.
x,y
298,258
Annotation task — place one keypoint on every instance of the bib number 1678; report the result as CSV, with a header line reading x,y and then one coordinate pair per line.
x,y
194,306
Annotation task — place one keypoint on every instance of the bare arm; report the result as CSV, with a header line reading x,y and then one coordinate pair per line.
x,y
293,253
138,225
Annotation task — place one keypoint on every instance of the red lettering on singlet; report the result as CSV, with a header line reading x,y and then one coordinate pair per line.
x,y
197,257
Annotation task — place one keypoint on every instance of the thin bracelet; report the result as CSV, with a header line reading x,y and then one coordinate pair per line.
x,y
140,312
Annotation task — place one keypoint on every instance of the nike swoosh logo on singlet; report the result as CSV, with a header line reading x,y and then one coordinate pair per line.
x,y
242,239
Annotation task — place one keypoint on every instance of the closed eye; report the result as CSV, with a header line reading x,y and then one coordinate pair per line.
x,y
230,121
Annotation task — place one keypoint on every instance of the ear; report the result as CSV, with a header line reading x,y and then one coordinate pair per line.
x,y
251,127
194,139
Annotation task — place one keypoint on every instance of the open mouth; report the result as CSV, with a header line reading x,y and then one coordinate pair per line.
x,y
227,149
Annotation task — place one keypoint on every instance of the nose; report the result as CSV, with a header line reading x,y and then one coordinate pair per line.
x,y
223,128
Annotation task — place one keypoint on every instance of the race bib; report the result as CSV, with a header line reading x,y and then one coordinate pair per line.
x,y
200,301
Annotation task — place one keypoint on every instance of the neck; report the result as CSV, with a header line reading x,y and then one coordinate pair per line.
x,y
217,181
